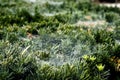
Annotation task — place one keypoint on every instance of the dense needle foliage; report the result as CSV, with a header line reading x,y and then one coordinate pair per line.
x,y
59,40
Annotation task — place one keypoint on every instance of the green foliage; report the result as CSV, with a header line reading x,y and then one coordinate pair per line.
x,y
102,36
50,25
43,55
11,33
111,16
35,46
117,31
62,18
15,64
83,5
